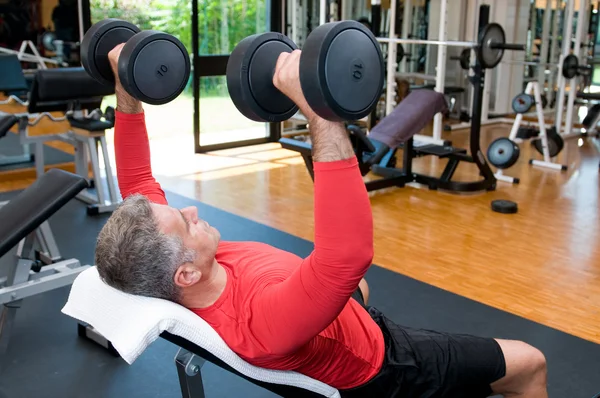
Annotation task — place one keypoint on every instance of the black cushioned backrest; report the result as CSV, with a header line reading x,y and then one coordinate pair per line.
x,y
279,389
11,74
28,210
57,89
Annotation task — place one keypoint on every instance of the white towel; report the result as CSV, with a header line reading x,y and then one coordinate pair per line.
x,y
131,323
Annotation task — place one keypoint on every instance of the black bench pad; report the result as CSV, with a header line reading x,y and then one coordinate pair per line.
x,y
91,124
279,389
6,122
27,211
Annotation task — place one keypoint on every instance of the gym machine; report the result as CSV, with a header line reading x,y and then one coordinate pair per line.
x,y
37,266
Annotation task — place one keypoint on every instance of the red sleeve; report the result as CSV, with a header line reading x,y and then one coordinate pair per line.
x,y
132,154
314,295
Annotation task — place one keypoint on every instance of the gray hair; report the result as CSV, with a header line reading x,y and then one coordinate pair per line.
x,y
133,256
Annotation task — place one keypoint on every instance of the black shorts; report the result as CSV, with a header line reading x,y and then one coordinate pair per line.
x,y
423,363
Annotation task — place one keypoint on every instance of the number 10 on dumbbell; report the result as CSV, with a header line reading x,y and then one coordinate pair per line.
x,y
341,73
154,67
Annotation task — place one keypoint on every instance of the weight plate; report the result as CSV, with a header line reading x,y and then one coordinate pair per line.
x,y
522,103
342,71
491,34
154,67
591,119
503,153
48,39
250,78
399,53
504,206
570,66
465,58
555,143
544,101
98,41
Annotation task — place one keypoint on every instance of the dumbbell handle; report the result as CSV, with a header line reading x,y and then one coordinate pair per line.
x,y
505,46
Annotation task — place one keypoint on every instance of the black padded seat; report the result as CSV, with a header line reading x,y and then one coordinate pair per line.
x,y
303,148
588,96
28,210
91,124
448,90
6,123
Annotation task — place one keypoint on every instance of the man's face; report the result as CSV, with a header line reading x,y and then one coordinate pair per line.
x,y
195,233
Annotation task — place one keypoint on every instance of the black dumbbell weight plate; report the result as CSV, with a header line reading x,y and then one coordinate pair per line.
x,y
503,153
250,72
555,143
544,98
488,56
504,206
570,66
154,67
98,41
342,71
465,59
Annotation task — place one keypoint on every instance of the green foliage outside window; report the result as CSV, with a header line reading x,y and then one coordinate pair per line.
x,y
221,24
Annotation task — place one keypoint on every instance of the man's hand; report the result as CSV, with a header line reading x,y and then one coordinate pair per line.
x,y
287,80
125,102
330,141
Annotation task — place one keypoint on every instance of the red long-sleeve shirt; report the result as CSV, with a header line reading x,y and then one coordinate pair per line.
x,y
278,310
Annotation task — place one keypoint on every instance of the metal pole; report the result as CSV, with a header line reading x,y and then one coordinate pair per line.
x,y
294,26
545,43
553,51
441,68
487,81
532,33
345,14
406,22
441,43
322,11
80,19
573,82
390,102
567,34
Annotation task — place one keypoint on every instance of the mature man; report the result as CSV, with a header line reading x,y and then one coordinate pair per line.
x,y
279,311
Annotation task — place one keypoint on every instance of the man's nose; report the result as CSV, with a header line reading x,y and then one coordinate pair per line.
x,y
192,213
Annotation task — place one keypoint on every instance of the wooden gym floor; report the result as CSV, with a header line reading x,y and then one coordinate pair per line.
x,y
542,263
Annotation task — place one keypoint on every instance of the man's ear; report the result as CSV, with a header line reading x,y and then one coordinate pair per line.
x,y
187,275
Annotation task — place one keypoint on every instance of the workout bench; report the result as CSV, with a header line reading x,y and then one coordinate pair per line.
x,y
131,323
73,92
38,267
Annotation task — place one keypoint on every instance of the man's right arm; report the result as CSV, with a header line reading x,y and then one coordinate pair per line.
x,y
132,147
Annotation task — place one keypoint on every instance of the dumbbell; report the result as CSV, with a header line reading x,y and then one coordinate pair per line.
x,y
154,67
341,73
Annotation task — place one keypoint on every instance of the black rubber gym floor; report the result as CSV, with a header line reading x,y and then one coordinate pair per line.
x,y
47,359
9,145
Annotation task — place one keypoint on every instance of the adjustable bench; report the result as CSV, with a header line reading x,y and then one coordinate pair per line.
x,y
73,92
132,323
38,267
377,151
12,81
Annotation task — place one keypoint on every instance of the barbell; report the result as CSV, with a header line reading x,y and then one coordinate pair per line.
x,y
489,48
341,73
153,67
570,66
